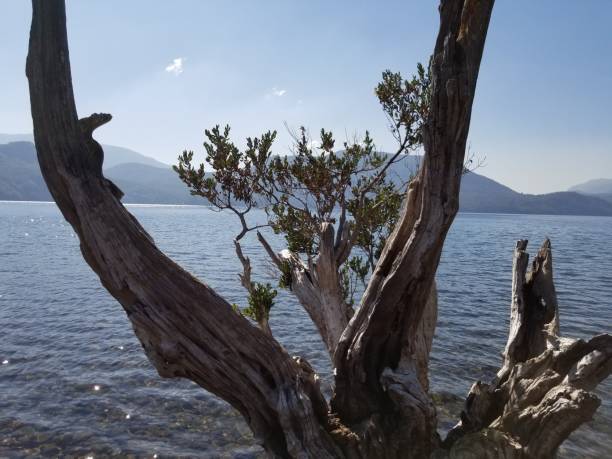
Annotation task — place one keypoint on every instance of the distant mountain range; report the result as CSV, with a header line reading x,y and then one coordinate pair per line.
x,y
147,181
142,179
601,188
113,155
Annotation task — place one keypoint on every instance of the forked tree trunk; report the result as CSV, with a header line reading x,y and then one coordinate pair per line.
x,y
381,407
379,391
541,393
317,286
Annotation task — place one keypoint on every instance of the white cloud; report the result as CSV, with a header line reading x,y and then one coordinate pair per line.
x,y
278,92
176,67
314,144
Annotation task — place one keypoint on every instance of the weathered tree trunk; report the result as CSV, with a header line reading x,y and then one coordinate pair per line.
x,y
379,391
317,286
541,393
381,407
186,329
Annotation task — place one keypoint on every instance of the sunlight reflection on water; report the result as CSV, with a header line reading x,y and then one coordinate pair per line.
x,y
75,381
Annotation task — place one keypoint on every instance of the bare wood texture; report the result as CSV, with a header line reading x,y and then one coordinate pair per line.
x,y
534,318
541,394
247,283
381,407
316,285
186,329
395,299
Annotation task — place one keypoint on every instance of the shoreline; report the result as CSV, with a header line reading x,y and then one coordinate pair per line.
x,y
134,204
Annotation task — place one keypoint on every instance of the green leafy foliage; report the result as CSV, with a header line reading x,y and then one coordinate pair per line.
x,y
286,277
406,103
355,270
346,186
261,300
377,213
234,172
307,189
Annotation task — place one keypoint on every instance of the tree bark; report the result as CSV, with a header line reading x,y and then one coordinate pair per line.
x,y
376,360
541,393
316,285
381,407
186,329
247,283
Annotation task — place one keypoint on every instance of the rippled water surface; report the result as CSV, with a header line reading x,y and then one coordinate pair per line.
x,y
75,382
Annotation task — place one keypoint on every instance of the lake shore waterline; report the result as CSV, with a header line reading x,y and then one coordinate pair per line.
x,y
77,382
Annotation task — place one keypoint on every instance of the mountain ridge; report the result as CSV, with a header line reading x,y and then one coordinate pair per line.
x,y
145,182
113,154
594,186
601,188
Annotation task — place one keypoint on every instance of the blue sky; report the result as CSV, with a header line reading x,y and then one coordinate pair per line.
x,y
542,115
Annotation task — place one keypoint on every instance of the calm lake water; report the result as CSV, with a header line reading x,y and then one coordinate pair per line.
x,y
75,382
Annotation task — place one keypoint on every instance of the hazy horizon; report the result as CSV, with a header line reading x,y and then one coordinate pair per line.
x,y
541,117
